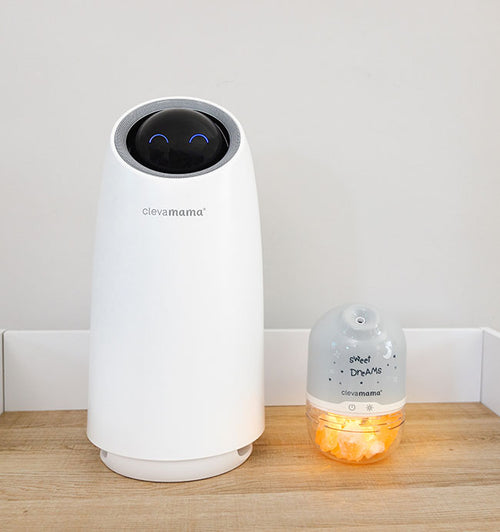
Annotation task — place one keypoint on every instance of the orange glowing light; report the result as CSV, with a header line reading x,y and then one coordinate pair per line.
x,y
356,439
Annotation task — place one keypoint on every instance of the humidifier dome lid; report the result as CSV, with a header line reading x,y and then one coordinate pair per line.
x,y
357,361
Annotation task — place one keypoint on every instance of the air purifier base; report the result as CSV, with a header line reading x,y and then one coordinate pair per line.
x,y
176,470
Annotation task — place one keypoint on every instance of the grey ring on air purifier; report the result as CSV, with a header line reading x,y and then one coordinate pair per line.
x,y
209,109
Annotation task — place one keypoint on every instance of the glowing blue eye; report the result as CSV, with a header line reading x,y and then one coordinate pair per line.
x,y
158,135
198,135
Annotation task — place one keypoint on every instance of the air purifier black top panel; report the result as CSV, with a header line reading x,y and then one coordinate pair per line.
x,y
178,141
176,138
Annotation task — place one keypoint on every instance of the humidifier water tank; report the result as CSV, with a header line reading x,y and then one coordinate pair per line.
x,y
176,343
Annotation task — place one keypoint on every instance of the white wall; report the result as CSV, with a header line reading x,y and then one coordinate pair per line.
x,y
374,128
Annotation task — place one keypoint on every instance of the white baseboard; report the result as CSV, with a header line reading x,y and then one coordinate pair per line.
x,y
47,370
490,389
1,373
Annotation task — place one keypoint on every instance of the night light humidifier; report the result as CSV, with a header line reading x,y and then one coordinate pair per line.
x,y
356,384
176,342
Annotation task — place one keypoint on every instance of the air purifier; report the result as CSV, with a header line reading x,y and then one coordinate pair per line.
x,y
176,339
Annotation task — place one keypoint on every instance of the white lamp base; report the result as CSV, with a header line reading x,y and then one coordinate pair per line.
x,y
175,470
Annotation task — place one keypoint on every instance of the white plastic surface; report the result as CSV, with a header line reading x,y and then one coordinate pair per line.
x,y
176,471
176,345
356,408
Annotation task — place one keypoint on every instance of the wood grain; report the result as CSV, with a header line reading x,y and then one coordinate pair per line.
x,y
444,476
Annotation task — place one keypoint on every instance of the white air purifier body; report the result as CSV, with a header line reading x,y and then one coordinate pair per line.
x,y
176,343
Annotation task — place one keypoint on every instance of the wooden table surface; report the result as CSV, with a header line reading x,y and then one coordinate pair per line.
x,y
444,476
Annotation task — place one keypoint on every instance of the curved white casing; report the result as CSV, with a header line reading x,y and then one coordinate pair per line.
x,y
176,344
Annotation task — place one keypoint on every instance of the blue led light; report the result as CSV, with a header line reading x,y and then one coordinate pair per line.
x,y
157,135
198,135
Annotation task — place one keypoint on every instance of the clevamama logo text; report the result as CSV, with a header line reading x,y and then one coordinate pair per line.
x,y
148,211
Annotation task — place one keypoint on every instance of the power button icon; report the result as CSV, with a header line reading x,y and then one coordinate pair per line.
x,y
352,407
